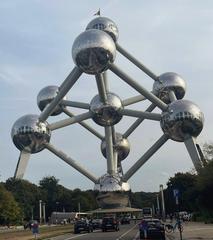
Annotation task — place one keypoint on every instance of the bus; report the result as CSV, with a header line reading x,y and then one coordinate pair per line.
x,y
147,212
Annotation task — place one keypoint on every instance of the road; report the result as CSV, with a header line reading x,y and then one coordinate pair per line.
x,y
127,232
192,231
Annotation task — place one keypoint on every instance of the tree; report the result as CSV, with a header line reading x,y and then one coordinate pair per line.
x,y
205,188
186,185
208,151
26,194
10,212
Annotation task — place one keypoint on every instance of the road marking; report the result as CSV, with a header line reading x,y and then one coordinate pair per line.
x,y
136,236
76,236
126,232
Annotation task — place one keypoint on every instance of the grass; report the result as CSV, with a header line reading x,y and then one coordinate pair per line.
x,y
44,233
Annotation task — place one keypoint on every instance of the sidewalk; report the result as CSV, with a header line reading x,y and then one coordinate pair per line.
x,y
193,231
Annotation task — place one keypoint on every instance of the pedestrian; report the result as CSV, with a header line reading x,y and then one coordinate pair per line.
x,y
144,227
35,229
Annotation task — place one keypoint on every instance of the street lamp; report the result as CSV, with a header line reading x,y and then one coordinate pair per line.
x,y
163,203
40,211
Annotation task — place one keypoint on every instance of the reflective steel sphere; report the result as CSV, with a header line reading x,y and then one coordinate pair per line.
x,y
29,134
111,200
181,119
121,145
93,51
45,96
169,81
106,25
106,114
111,183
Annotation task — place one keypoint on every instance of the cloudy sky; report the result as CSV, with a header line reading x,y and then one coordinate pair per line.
x,y
36,38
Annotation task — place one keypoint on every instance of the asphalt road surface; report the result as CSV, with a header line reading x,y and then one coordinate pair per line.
x,y
127,232
192,231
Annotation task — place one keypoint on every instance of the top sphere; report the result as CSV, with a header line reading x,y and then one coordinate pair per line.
x,y
45,96
93,51
169,81
29,134
106,25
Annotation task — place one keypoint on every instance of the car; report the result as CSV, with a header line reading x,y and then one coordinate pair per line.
x,y
154,229
83,225
125,220
97,223
110,223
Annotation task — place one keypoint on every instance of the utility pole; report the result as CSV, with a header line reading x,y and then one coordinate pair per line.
x,y
44,212
158,205
163,203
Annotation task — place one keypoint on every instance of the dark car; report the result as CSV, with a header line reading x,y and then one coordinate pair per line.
x,y
110,223
97,223
125,220
83,226
154,229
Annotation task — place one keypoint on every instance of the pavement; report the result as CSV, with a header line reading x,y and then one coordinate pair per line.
x,y
193,231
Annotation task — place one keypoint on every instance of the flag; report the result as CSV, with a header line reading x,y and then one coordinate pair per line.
x,y
98,13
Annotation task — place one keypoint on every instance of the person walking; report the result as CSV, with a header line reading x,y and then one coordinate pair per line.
x,y
35,229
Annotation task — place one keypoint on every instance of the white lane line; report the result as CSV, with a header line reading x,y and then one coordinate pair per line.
x,y
136,236
126,233
76,236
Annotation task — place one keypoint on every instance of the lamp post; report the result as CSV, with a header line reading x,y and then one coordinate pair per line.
x,y
56,212
40,211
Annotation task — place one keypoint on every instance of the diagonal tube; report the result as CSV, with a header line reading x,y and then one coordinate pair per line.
x,y
138,87
145,157
63,90
140,114
22,164
90,129
133,100
190,144
136,62
71,162
75,104
172,96
101,87
106,82
69,121
138,122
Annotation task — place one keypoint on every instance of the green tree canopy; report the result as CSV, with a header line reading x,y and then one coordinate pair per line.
x,y
10,212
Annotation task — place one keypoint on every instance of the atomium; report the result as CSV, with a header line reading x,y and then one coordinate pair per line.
x,y
169,82
45,96
182,119
29,134
106,25
94,52
106,114
121,145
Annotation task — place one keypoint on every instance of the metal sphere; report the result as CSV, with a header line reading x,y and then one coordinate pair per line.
x,y
121,145
167,82
106,114
183,118
109,200
45,96
111,183
93,51
29,134
106,25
